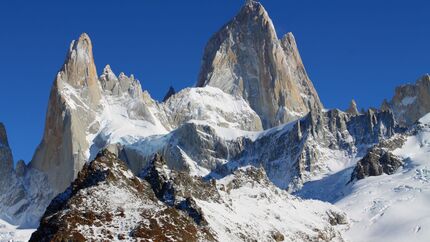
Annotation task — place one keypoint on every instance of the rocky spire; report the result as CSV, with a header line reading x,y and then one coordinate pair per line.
x,y
79,69
6,159
74,100
169,93
109,80
352,110
246,58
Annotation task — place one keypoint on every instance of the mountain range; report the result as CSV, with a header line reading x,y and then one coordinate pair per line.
x,y
247,154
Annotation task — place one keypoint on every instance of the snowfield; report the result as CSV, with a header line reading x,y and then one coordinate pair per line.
x,y
387,207
12,233
257,209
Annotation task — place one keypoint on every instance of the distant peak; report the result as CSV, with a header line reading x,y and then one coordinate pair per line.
x,y
107,71
3,136
353,108
107,68
424,78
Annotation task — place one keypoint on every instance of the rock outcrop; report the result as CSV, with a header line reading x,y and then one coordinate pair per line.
x,y
375,163
411,101
379,159
246,58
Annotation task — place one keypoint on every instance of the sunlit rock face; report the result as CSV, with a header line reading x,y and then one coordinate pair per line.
x,y
246,58
70,116
410,101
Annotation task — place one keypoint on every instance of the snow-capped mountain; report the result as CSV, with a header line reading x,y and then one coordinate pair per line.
x,y
246,58
390,205
24,192
235,158
166,205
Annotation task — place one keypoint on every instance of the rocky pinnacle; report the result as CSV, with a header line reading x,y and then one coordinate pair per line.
x,y
74,99
246,58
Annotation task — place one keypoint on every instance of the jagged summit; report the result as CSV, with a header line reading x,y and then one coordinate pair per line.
x,y
246,58
353,110
79,69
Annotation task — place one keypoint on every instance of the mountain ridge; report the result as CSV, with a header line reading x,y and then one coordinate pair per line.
x,y
234,158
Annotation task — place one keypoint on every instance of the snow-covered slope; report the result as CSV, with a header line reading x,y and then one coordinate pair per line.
x,y
173,206
253,208
11,233
212,140
386,207
213,106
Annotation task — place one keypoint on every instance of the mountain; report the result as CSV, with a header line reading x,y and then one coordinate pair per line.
x,y
87,113
388,205
70,116
246,58
238,157
24,192
170,205
410,101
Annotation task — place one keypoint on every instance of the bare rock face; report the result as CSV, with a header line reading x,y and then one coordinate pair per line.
x,y
246,58
6,159
379,159
411,101
74,98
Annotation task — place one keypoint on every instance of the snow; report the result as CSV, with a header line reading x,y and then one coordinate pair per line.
x,y
213,106
408,100
387,207
230,133
259,209
195,169
12,233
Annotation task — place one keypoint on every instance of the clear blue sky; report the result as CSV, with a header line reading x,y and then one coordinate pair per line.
x,y
351,49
